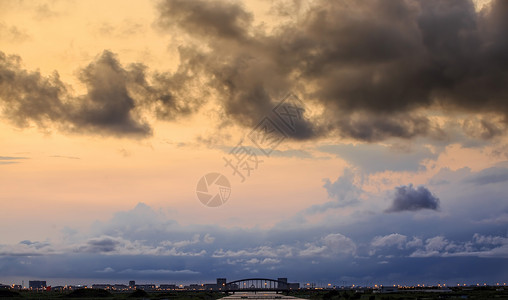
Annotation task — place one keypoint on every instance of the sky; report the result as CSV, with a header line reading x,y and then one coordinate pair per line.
x,y
343,142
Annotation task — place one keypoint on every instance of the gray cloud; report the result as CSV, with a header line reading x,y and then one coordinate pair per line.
x,y
7,160
375,76
343,192
273,152
116,98
28,96
407,198
492,175
109,105
372,158
100,245
205,18
27,248
11,157
483,128
239,67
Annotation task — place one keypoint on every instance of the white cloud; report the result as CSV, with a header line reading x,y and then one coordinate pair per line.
x,y
436,243
270,261
332,244
263,251
492,240
184,243
208,238
479,246
394,239
415,242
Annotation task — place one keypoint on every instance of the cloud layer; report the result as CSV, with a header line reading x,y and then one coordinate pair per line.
x,y
371,78
186,253
117,98
376,77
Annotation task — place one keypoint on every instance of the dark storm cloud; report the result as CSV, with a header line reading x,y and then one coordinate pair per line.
x,y
108,103
249,81
483,128
407,198
373,126
227,20
375,66
29,96
114,103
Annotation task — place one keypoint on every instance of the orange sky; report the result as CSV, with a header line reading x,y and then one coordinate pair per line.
x,y
118,108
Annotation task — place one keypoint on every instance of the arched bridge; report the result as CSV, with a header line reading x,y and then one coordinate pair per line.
x,y
257,284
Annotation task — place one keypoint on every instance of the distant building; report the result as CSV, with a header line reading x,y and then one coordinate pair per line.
x,y
210,287
75,287
294,286
283,283
221,283
37,284
168,287
145,287
132,284
193,287
388,289
102,286
120,287
107,286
